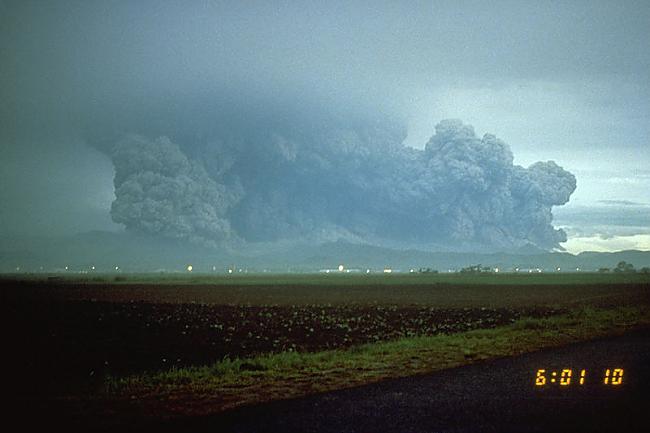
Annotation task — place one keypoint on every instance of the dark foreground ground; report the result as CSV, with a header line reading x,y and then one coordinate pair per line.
x,y
496,396
63,338
74,345
66,337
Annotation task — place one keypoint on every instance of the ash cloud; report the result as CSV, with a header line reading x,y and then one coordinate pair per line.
x,y
333,178
160,191
266,113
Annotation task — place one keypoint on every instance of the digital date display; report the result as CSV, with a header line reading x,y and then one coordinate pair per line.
x,y
569,376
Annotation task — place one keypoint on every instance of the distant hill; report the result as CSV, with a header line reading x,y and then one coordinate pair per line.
x,y
132,253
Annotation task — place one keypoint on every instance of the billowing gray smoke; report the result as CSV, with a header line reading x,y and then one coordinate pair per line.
x,y
160,191
354,181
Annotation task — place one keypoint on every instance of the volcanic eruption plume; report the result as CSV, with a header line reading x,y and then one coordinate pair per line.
x,y
353,181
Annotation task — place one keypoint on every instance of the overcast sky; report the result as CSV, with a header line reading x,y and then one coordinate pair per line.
x,y
563,81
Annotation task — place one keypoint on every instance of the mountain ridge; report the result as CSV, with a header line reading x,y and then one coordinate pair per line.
x,y
140,253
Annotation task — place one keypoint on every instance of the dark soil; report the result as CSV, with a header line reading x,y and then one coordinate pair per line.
x,y
56,347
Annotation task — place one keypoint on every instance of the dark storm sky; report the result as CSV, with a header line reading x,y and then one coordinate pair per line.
x,y
563,81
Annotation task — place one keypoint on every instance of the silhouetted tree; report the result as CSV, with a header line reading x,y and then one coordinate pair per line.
x,y
475,269
428,271
624,266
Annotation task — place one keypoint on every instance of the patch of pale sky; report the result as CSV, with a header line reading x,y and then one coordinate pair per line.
x,y
576,245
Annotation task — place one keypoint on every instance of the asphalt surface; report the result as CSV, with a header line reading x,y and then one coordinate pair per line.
x,y
494,396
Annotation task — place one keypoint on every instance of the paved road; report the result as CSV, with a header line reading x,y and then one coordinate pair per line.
x,y
495,396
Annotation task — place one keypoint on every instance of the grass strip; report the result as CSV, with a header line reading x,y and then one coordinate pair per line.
x,y
235,382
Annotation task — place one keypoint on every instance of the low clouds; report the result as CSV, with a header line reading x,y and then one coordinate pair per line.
x,y
339,179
